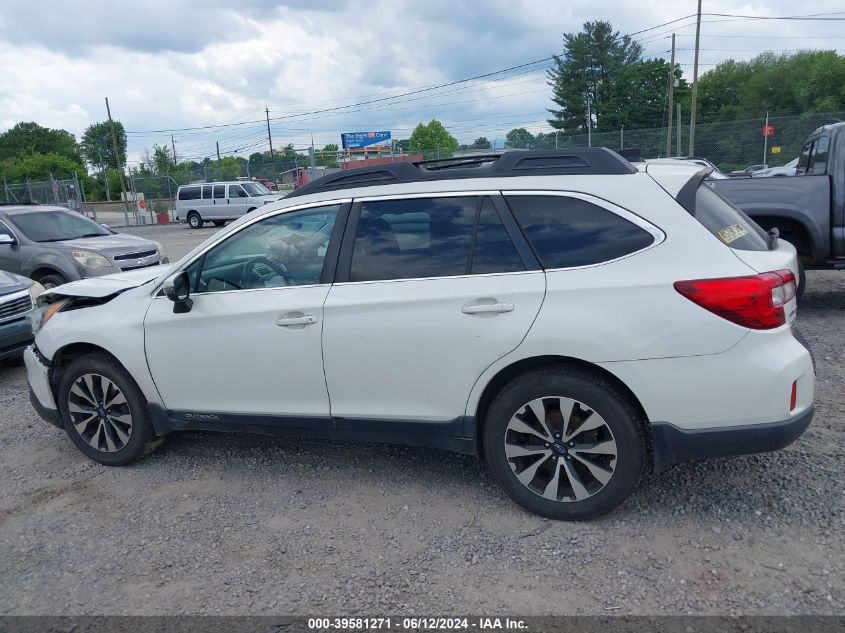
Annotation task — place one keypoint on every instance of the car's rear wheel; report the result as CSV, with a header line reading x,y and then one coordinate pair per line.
x,y
104,411
195,221
52,280
802,280
565,443
219,222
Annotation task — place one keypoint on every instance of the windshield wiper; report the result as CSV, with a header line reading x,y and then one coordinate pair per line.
x,y
55,239
90,235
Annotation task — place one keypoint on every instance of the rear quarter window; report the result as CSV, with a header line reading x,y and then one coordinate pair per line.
x,y
189,193
728,223
566,232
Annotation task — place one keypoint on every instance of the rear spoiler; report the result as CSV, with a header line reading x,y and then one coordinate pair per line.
x,y
686,196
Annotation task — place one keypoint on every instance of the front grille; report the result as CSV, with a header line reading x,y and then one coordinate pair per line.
x,y
15,308
141,255
125,268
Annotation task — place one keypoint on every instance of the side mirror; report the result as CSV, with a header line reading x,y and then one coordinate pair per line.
x,y
177,288
8,240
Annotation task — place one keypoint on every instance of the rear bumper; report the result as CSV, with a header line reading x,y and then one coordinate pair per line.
x,y
673,445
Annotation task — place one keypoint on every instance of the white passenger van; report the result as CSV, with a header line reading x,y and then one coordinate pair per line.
x,y
220,201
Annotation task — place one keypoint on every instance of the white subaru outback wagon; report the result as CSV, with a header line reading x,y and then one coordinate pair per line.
x,y
571,319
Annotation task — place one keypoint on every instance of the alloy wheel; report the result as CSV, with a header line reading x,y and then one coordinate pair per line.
x,y
560,449
100,412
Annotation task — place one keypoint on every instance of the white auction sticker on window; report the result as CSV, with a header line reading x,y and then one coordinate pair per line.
x,y
732,233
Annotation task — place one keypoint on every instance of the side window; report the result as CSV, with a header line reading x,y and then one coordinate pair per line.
x,y
804,158
283,250
189,193
219,191
818,157
414,238
206,192
494,251
566,231
236,191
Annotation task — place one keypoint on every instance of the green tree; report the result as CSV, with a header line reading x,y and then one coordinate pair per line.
x,y
36,166
30,138
481,143
402,146
98,147
432,137
327,157
519,138
587,72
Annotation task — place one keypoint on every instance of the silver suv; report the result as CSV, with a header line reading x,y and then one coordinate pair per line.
x,y
54,246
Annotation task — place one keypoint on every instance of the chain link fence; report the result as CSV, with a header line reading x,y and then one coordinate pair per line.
x,y
65,193
728,144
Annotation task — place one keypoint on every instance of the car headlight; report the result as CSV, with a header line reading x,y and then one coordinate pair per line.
x,y
91,260
35,290
43,314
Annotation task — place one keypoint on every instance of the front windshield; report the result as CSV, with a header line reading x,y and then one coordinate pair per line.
x,y
56,225
256,189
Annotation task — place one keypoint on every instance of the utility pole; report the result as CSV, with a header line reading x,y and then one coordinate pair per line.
x,y
119,166
173,145
679,129
671,98
694,84
313,163
589,123
219,172
269,138
622,138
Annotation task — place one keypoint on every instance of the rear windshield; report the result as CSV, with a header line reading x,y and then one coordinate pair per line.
x,y
727,223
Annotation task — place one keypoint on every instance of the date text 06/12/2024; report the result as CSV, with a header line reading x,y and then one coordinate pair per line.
x,y
416,624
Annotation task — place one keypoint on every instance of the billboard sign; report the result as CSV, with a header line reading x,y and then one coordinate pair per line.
x,y
353,140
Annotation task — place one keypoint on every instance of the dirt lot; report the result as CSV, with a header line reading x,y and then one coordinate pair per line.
x,y
240,524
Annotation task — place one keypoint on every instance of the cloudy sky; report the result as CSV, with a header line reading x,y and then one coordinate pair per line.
x,y
166,66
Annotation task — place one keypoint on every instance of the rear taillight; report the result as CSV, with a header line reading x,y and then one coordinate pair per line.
x,y
754,302
793,396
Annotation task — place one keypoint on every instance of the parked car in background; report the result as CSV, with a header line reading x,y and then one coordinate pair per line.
x,y
220,201
747,171
809,209
54,246
17,303
571,318
784,170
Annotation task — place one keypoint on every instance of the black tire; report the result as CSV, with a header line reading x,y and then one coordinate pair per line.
x,y
195,220
620,416
16,361
52,280
219,222
141,437
251,209
802,281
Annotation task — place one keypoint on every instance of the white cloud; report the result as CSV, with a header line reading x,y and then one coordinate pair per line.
x,y
171,65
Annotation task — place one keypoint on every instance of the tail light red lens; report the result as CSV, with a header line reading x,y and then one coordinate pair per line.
x,y
754,302
793,396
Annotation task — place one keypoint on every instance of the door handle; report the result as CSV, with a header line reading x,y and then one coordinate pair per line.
x,y
482,308
306,319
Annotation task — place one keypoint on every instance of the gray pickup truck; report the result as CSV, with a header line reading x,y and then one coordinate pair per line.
x,y
808,209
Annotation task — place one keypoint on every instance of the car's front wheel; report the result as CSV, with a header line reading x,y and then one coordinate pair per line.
x,y
104,411
564,443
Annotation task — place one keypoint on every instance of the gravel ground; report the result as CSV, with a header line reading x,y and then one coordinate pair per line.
x,y
229,524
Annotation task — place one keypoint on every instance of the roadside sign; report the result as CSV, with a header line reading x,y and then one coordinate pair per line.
x,y
354,140
141,205
776,149
768,130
